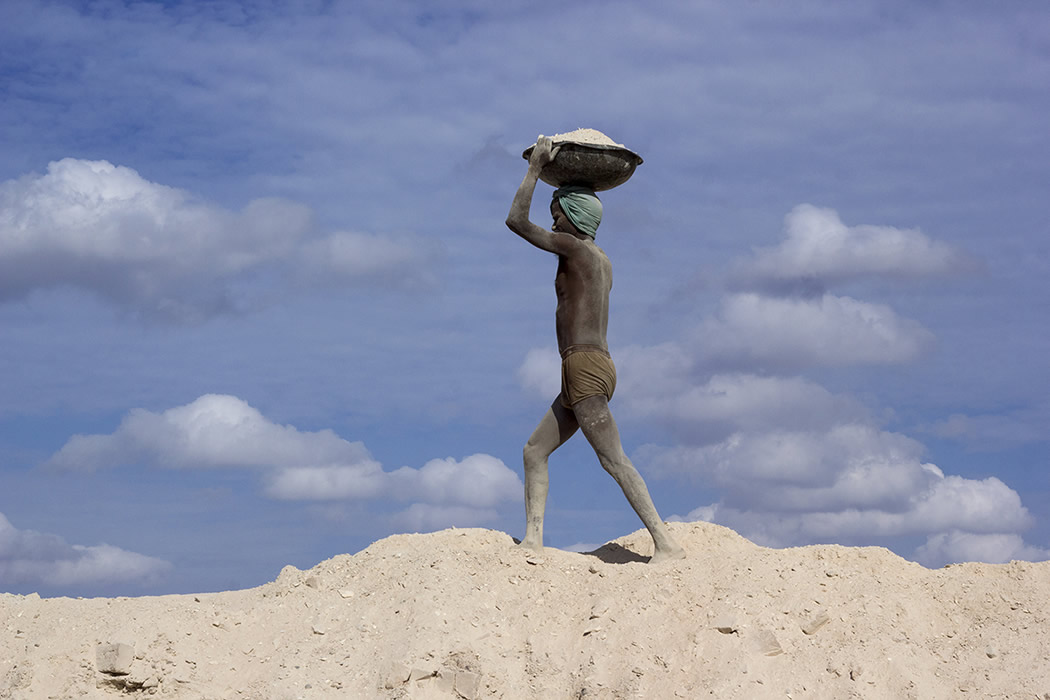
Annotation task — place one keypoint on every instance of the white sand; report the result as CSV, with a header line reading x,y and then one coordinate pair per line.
x,y
588,136
464,614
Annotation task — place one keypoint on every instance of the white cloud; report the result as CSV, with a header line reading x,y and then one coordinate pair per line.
x,y
220,431
853,483
212,431
828,331
333,483
844,466
424,517
654,370
35,558
820,250
160,251
957,546
540,372
851,480
729,403
478,481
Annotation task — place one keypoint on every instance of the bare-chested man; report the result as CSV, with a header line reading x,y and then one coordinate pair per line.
x,y
582,284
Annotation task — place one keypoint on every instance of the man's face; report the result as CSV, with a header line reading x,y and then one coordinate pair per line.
x,y
561,221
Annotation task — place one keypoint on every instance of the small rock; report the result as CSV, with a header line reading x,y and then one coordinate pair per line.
x,y
319,629
444,681
346,593
991,652
313,582
397,675
467,684
726,624
600,608
114,659
765,642
818,621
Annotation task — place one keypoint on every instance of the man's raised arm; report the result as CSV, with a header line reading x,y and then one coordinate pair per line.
x,y
518,218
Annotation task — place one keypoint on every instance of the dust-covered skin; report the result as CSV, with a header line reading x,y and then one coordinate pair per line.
x,y
582,284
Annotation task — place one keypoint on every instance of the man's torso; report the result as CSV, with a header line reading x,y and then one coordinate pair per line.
x,y
582,283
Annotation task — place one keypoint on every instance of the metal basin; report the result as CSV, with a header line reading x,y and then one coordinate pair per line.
x,y
596,166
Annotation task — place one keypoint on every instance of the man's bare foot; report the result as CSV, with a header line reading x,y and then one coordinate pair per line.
x,y
667,554
531,544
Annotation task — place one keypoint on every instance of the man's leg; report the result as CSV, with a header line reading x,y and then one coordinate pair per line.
x,y
556,426
598,426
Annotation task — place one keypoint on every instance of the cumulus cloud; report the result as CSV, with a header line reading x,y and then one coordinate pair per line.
x,y
478,481
853,483
752,330
163,253
329,483
820,250
213,431
725,404
957,546
221,431
35,558
845,466
424,517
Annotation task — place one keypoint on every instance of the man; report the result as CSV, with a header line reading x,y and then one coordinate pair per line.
x,y
582,284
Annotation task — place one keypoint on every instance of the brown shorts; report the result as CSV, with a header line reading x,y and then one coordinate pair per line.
x,y
586,370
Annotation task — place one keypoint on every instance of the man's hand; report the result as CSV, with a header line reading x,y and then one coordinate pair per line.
x,y
543,153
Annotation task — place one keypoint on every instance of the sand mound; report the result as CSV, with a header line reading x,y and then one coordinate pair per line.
x,y
464,614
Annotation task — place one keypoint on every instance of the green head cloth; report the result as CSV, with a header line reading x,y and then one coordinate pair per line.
x,y
582,206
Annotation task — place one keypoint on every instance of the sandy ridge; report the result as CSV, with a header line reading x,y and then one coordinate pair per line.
x,y
465,614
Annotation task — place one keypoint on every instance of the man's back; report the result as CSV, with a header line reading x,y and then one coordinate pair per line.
x,y
582,283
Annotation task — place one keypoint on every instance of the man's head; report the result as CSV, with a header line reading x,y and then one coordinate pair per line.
x,y
580,206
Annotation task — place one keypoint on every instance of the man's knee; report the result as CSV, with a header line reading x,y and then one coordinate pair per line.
x,y
533,454
615,462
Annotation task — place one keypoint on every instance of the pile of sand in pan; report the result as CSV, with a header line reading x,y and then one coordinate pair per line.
x,y
586,136
465,614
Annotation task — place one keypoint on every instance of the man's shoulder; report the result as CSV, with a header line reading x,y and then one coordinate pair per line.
x,y
584,248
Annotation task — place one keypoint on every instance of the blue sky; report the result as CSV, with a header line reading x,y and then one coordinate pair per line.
x,y
258,305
